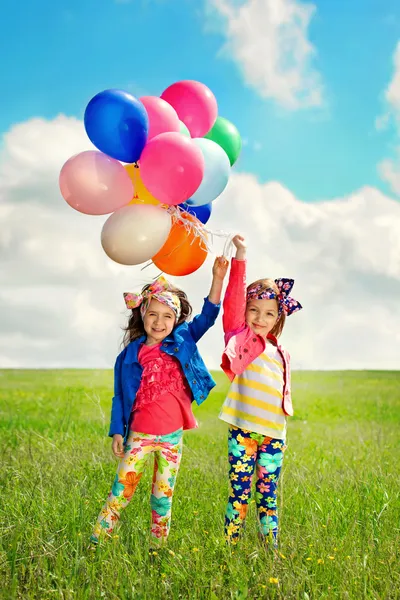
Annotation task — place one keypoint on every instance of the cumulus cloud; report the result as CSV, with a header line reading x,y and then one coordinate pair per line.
x,y
389,168
61,299
269,40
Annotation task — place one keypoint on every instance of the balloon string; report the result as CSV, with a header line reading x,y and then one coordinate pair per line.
x,y
198,230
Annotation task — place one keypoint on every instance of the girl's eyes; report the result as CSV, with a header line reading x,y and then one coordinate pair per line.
x,y
269,314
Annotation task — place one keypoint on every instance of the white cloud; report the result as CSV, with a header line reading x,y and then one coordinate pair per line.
x,y
389,168
269,41
392,94
61,297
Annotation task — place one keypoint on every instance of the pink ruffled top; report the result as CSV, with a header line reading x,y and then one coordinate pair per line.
x,y
163,401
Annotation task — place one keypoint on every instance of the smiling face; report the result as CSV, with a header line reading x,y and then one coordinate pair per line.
x,y
158,322
262,315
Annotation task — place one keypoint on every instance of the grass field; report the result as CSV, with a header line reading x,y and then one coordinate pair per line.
x,y
339,494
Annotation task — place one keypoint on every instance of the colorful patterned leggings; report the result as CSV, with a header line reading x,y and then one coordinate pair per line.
x,y
167,450
249,451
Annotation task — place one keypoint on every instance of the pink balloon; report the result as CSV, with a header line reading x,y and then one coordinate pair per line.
x,y
195,104
95,184
162,117
171,167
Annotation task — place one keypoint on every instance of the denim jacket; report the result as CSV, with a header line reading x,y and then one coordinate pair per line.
x,y
182,343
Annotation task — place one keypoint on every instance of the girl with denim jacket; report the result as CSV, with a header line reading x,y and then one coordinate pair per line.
x,y
259,399
156,377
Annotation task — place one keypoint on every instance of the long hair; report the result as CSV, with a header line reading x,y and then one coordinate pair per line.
x,y
269,284
135,327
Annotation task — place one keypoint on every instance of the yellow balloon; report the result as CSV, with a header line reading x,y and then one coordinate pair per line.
x,y
141,194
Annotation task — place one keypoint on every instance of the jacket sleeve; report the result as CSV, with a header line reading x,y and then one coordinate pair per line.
x,y
206,319
117,422
234,304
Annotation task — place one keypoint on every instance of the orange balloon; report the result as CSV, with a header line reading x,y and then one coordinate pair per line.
x,y
141,194
184,252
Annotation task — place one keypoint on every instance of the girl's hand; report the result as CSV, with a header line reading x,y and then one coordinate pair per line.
x,y
220,267
240,244
118,445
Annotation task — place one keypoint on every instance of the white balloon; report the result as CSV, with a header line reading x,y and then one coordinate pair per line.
x,y
135,233
216,173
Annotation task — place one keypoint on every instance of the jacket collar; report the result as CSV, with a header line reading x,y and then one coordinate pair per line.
x,y
132,349
131,354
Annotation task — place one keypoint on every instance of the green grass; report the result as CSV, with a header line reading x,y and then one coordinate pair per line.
x,y
339,496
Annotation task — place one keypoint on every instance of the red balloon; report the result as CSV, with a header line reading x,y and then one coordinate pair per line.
x,y
195,105
171,167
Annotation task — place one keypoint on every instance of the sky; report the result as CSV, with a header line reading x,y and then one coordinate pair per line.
x,y
314,89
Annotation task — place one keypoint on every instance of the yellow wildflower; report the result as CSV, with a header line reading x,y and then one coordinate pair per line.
x,y
274,580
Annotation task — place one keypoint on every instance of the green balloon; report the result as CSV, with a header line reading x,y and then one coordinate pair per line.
x,y
183,129
225,134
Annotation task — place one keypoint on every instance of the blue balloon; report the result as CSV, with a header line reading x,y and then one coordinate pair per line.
x,y
117,124
202,213
216,172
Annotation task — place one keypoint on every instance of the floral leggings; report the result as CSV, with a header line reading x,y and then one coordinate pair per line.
x,y
167,450
249,451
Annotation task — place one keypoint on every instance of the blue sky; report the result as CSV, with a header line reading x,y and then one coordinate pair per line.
x,y
56,56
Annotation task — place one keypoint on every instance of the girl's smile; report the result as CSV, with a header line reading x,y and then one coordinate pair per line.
x,y
158,322
261,315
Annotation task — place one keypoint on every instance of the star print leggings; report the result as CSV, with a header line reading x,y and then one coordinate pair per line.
x,y
167,450
249,452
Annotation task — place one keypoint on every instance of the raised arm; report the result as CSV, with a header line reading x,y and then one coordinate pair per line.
x,y
234,304
212,304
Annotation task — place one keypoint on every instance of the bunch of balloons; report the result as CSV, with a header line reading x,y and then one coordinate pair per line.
x,y
177,154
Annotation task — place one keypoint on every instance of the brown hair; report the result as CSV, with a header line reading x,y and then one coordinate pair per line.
x,y
269,284
135,327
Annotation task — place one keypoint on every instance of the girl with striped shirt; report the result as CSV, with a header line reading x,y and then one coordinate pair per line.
x,y
259,399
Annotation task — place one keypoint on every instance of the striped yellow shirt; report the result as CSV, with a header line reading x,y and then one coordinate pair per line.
x,y
254,401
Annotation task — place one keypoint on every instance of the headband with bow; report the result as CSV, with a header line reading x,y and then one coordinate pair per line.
x,y
285,302
159,290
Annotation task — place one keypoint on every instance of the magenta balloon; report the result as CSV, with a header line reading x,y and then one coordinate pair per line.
x,y
171,167
162,117
95,184
195,104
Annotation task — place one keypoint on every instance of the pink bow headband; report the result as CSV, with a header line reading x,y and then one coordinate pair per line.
x,y
159,290
285,302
